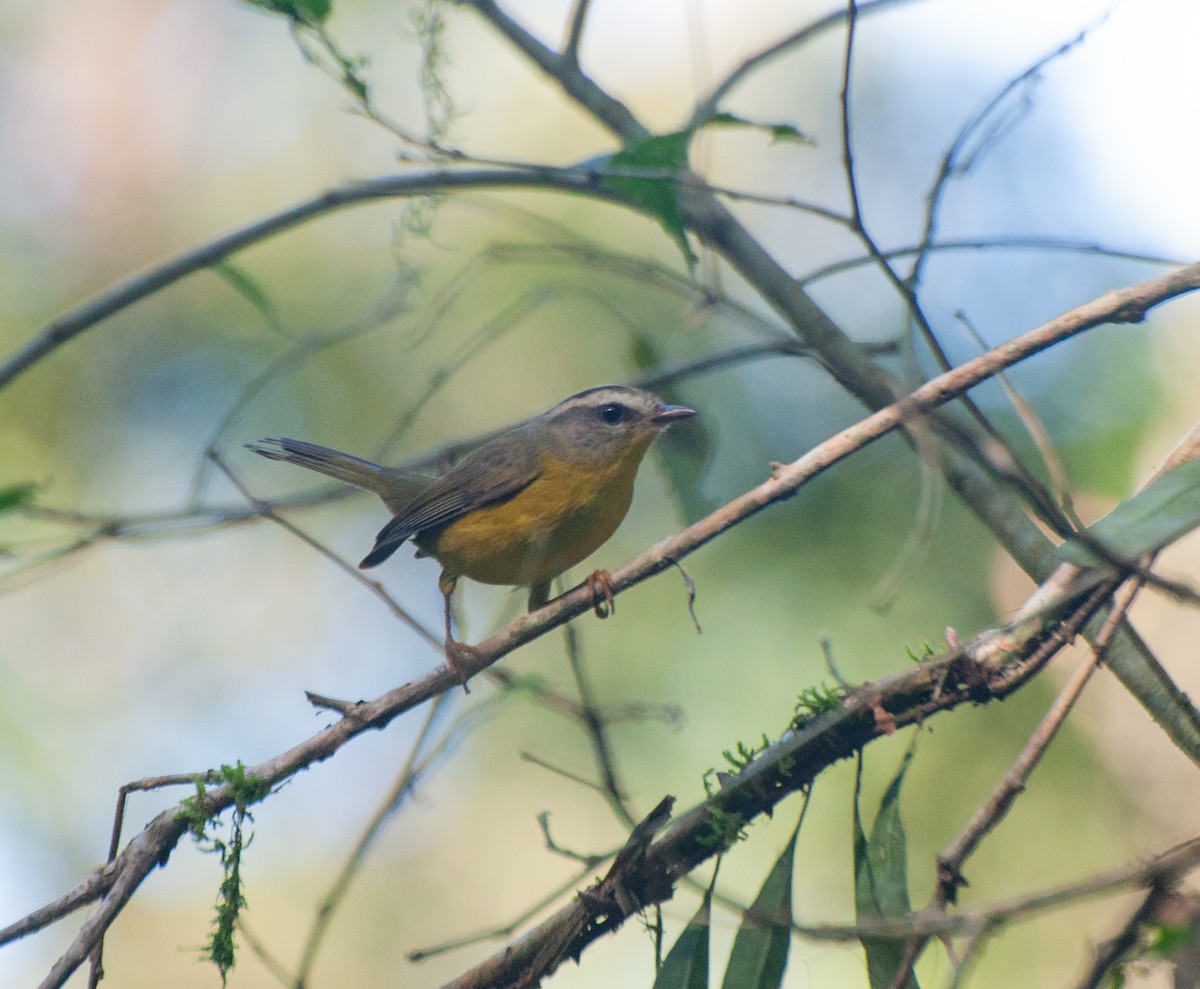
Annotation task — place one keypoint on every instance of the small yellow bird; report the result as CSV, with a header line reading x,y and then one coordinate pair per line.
x,y
520,509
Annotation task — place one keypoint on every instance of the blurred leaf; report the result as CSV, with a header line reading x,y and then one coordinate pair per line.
x,y
304,11
1153,518
684,448
1168,938
684,451
778,132
881,880
669,153
686,964
316,10
657,196
760,949
247,288
16,495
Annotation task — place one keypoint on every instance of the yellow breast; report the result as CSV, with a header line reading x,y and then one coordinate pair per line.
x,y
546,528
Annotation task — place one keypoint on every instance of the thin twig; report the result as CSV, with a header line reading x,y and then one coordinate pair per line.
x,y
140,286
989,816
261,952
707,107
505,930
1002,243
416,764
856,217
297,354
1113,952
266,510
575,30
974,939
1168,867
1059,485
588,861
565,72
952,162
597,730
577,778
1030,487
950,861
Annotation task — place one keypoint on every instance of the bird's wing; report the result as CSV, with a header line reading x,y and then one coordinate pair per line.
x,y
494,472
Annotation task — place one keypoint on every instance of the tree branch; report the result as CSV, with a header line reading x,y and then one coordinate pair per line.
x,y
565,71
790,764
1168,867
575,30
140,286
154,844
707,107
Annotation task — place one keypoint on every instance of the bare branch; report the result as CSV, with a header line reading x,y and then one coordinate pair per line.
x,y
509,928
1049,244
707,107
565,71
415,765
1167,867
265,510
575,30
140,286
950,862
597,729
955,161
1113,953
989,816
1030,487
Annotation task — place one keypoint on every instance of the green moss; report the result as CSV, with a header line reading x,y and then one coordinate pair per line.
x,y
245,789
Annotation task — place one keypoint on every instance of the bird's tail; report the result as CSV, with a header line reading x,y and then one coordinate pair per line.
x,y
396,487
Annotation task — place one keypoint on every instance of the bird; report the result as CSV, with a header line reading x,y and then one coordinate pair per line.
x,y
520,509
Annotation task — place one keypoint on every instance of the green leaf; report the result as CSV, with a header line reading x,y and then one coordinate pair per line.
x,y
779,132
15,495
247,288
760,949
686,964
684,449
881,880
659,197
313,11
305,11
1166,939
1153,518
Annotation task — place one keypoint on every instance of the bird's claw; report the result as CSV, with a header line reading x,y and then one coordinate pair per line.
x,y
600,587
460,657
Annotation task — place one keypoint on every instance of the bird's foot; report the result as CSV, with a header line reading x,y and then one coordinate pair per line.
x,y
461,658
600,587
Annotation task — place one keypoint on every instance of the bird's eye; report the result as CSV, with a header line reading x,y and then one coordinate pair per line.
x,y
612,414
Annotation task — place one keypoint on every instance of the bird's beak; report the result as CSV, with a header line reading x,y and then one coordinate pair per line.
x,y
664,415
